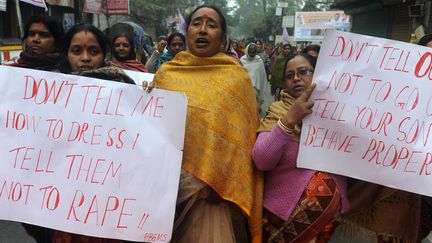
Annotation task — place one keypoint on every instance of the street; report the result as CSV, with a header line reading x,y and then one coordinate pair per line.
x,y
12,232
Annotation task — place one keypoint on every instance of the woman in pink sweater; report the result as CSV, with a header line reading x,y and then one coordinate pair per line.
x,y
300,205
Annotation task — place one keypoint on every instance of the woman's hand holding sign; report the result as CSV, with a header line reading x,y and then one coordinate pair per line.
x,y
300,109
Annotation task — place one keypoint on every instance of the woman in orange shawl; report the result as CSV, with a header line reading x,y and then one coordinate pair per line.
x,y
220,192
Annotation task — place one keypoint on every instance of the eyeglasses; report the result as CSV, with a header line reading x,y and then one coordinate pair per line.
x,y
300,73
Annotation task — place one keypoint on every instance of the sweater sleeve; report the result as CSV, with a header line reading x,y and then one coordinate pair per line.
x,y
269,148
151,62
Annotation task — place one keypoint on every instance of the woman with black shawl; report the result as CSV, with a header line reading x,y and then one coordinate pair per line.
x,y
42,39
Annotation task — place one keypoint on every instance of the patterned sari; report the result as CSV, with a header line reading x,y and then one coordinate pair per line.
x,y
220,134
313,219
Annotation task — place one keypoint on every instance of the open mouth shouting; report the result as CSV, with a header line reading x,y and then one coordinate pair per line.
x,y
202,42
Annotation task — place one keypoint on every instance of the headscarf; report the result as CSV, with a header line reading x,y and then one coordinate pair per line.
x,y
258,75
249,46
276,111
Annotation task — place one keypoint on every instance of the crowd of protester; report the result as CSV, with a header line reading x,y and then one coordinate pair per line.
x,y
256,194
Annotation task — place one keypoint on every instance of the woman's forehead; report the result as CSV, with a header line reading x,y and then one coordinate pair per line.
x,y
298,61
84,38
38,26
121,38
205,14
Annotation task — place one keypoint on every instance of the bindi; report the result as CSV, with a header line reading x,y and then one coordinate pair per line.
x,y
205,17
84,44
38,26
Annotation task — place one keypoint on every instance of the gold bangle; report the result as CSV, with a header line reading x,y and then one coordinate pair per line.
x,y
285,128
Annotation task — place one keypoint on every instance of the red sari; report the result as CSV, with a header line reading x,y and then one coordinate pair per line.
x,y
129,65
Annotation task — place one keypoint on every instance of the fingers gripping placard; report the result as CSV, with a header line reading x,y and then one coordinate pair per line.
x,y
89,156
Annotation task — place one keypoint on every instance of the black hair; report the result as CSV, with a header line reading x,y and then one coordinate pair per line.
x,y
100,37
285,45
132,54
425,39
313,47
310,59
176,34
227,47
54,26
235,42
171,38
218,11
260,41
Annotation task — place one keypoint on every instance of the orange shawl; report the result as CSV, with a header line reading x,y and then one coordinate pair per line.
x,y
220,128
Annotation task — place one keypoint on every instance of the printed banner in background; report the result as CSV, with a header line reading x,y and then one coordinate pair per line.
x,y
64,3
311,26
372,117
117,7
93,6
37,3
89,156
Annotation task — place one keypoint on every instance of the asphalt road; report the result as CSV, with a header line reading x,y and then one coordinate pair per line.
x,y
12,232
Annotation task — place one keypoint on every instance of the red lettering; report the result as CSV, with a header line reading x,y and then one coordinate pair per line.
x,y
109,208
123,213
76,203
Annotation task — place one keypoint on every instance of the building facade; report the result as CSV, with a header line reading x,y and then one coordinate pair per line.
x,y
392,19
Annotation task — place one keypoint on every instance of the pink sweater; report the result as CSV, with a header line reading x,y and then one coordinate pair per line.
x,y
275,153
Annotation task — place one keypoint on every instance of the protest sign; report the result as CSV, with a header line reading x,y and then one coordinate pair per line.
x,y
139,77
89,156
372,116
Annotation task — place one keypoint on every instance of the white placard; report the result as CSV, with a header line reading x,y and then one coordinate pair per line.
x,y
140,77
372,117
89,156
278,12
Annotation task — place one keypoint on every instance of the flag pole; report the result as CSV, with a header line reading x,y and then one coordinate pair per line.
x,y
20,24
